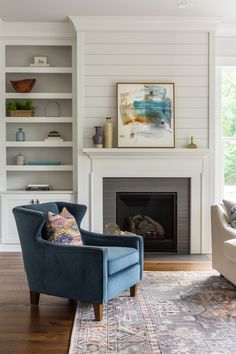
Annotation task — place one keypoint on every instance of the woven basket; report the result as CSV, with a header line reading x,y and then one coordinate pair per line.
x,y
21,113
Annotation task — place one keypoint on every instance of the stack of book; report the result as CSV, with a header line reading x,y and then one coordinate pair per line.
x,y
54,136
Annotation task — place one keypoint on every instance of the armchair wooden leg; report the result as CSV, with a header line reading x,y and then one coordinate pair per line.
x,y
34,298
98,311
133,290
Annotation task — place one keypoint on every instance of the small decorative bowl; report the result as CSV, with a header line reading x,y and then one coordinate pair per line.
x,y
23,86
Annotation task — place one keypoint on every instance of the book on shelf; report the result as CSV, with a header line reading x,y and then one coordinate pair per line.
x,y
53,138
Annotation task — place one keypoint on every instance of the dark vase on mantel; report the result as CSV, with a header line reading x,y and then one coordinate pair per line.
x,y
98,137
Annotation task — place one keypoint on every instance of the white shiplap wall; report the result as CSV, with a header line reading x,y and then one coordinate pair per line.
x,y
179,57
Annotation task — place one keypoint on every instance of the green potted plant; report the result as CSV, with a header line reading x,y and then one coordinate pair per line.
x,y
20,108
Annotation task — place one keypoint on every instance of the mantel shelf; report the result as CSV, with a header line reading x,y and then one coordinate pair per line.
x,y
134,153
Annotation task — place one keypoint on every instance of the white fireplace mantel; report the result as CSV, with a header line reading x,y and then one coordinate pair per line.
x,y
149,163
120,153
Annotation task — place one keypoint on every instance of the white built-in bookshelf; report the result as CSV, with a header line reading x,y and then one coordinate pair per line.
x,y
52,95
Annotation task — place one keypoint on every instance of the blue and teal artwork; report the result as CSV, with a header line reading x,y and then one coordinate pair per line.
x,y
145,115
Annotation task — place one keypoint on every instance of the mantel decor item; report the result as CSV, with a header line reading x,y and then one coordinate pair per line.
x,y
40,61
20,109
108,133
146,115
23,86
192,145
98,137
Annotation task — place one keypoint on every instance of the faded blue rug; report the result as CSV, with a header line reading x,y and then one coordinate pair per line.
x,y
174,312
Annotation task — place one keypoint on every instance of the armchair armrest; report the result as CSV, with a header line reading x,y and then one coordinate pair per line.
x,y
95,239
76,272
221,229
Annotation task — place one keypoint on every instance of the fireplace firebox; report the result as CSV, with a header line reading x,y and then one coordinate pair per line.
x,y
152,215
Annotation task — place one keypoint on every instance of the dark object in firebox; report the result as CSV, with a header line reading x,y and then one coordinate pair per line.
x,y
145,226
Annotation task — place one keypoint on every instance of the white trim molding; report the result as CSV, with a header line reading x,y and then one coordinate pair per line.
x,y
144,23
36,30
147,153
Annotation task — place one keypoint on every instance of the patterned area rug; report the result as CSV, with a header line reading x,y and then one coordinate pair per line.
x,y
174,312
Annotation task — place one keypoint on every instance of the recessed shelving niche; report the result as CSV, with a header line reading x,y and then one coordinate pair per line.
x,y
53,86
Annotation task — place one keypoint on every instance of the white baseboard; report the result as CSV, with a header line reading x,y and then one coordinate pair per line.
x,y
10,248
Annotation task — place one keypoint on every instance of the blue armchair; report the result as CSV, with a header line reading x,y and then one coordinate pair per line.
x,y
93,273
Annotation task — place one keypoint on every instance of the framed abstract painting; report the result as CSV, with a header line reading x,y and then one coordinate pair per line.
x,y
146,115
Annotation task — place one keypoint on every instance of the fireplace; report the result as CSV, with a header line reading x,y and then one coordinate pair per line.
x,y
156,208
184,171
151,215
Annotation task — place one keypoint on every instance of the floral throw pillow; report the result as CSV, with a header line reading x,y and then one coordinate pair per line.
x,y
63,228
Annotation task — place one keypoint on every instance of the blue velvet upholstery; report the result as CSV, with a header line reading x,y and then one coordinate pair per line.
x,y
120,258
94,273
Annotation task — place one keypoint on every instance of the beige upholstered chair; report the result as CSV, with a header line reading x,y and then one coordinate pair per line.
x,y
223,243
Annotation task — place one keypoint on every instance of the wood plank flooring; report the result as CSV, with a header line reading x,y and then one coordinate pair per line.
x,y
24,330
45,329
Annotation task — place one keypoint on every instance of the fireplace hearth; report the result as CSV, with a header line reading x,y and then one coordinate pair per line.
x,y
152,215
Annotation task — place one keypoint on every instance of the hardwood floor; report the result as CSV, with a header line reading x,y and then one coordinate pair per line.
x,y
46,329
25,329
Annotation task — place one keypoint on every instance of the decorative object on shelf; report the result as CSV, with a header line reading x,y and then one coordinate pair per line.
x,y
52,109
20,159
192,145
146,115
53,136
38,187
23,86
108,133
40,61
20,135
20,108
98,137
44,163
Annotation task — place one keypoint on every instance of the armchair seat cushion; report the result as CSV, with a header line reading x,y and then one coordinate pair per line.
x,y
120,258
230,250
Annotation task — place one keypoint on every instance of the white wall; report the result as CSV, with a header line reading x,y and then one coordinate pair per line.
x,y
225,46
179,57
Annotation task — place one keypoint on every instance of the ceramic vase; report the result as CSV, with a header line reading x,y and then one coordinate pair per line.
x,y
108,133
98,137
20,135
20,159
